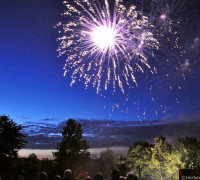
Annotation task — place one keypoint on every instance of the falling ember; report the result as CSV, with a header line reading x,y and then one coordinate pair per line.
x,y
106,46
163,17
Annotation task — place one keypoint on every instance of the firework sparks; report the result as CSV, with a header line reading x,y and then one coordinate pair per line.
x,y
106,45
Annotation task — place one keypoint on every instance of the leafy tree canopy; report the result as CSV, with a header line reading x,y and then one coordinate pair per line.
x,y
165,160
189,148
138,157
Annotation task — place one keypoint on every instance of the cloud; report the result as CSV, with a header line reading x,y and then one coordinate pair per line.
x,y
196,43
49,119
189,118
185,66
25,118
45,135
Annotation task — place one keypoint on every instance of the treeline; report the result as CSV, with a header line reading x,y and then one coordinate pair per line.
x,y
158,160
162,160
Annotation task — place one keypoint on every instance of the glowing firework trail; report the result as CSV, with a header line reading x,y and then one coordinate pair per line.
x,y
106,45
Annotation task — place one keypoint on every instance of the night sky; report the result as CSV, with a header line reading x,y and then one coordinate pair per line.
x,y
33,88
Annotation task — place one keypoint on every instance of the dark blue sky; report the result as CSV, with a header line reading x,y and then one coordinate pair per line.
x,y
32,85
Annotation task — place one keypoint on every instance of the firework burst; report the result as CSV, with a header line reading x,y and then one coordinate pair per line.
x,y
106,44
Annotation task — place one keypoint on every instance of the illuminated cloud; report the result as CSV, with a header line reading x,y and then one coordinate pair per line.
x,y
196,43
119,133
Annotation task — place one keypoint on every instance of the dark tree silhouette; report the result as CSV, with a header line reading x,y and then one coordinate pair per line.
x,y
73,150
11,141
108,161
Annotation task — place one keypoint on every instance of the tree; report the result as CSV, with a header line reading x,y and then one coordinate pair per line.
x,y
122,166
159,154
11,141
32,166
72,152
189,148
138,158
108,161
165,160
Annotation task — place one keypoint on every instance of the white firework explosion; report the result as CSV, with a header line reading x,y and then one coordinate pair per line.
x,y
106,44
